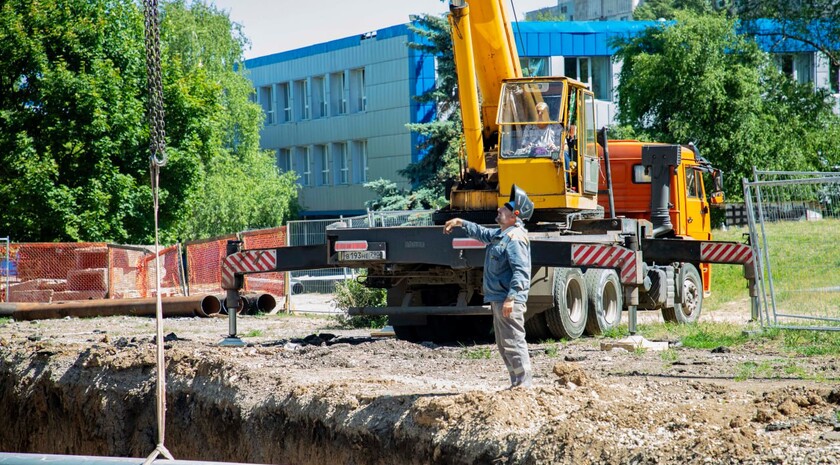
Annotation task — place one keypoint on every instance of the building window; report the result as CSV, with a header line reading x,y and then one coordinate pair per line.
x,y
358,100
284,160
596,72
302,100
579,68
360,162
267,103
319,97
797,66
537,66
304,165
338,101
322,155
342,161
284,94
834,78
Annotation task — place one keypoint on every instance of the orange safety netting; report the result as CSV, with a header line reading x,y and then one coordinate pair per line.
x,y
50,272
204,264
132,272
271,283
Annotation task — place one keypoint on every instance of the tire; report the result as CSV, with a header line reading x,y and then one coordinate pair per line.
x,y
604,302
536,328
689,297
567,319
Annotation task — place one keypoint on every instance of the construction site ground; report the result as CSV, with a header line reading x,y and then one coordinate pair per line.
x,y
304,391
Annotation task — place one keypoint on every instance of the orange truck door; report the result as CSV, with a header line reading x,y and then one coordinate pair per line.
x,y
696,207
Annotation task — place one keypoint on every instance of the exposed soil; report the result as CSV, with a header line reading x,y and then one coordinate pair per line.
x,y
86,387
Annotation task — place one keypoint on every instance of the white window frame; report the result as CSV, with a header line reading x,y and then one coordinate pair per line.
x,y
343,162
266,98
325,166
307,166
286,92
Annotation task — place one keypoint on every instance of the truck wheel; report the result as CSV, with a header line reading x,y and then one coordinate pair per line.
x,y
689,297
604,302
536,328
567,319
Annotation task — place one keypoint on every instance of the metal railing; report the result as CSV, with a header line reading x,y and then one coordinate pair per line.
x,y
311,232
805,293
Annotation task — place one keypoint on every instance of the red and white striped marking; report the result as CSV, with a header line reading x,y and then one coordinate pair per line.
x,y
606,256
248,261
467,243
711,252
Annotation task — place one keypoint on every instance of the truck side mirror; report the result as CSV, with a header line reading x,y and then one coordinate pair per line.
x,y
716,198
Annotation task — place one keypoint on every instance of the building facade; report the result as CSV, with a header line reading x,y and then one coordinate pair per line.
x,y
336,113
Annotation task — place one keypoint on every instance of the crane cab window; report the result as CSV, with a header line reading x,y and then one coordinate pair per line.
x,y
530,119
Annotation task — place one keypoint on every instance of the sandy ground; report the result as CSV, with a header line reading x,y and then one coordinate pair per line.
x,y
303,391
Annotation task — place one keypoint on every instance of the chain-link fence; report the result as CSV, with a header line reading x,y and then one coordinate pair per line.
x,y
794,220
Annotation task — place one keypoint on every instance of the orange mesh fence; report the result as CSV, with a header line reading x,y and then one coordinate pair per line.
x,y
123,271
49,272
271,283
171,282
131,272
204,264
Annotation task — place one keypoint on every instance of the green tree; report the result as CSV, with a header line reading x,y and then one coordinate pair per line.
x,y
218,180
815,22
666,9
74,137
723,94
440,140
71,120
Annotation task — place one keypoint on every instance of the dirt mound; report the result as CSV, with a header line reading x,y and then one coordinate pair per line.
x,y
303,392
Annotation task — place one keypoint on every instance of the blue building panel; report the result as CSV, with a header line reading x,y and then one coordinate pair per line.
x,y
325,47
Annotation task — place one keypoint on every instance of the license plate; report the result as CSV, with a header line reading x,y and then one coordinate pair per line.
x,y
361,255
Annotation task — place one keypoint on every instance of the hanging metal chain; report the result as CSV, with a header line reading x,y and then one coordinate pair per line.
x,y
157,144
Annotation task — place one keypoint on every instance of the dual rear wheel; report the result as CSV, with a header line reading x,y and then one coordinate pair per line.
x,y
588,303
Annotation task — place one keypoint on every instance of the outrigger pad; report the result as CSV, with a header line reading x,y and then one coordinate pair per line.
x,y
522,203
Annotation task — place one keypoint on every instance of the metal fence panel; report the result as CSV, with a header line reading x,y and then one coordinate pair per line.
x,y
807,294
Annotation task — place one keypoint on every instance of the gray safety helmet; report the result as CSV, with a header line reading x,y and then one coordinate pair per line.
x,y
520,204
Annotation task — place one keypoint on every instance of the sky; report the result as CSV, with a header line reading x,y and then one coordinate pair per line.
x,y
278,25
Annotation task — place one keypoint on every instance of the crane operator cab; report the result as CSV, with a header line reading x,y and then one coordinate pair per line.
x,y
547,145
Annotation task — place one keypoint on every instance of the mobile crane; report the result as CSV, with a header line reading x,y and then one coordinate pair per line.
x,y
617,224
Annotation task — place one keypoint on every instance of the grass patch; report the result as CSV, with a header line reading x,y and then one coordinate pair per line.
x,y
253,333
4,320
808,343
552,350
669,356
750,369
476,353
698,336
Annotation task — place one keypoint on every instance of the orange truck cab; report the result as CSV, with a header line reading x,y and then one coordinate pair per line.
x,y
688,207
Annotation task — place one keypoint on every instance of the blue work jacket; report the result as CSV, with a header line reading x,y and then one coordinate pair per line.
x,y
507,261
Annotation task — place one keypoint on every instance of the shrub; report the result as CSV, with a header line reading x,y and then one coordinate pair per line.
x,y
353,293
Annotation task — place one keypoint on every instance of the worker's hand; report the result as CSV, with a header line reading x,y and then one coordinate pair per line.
x,y
507,308
453,223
